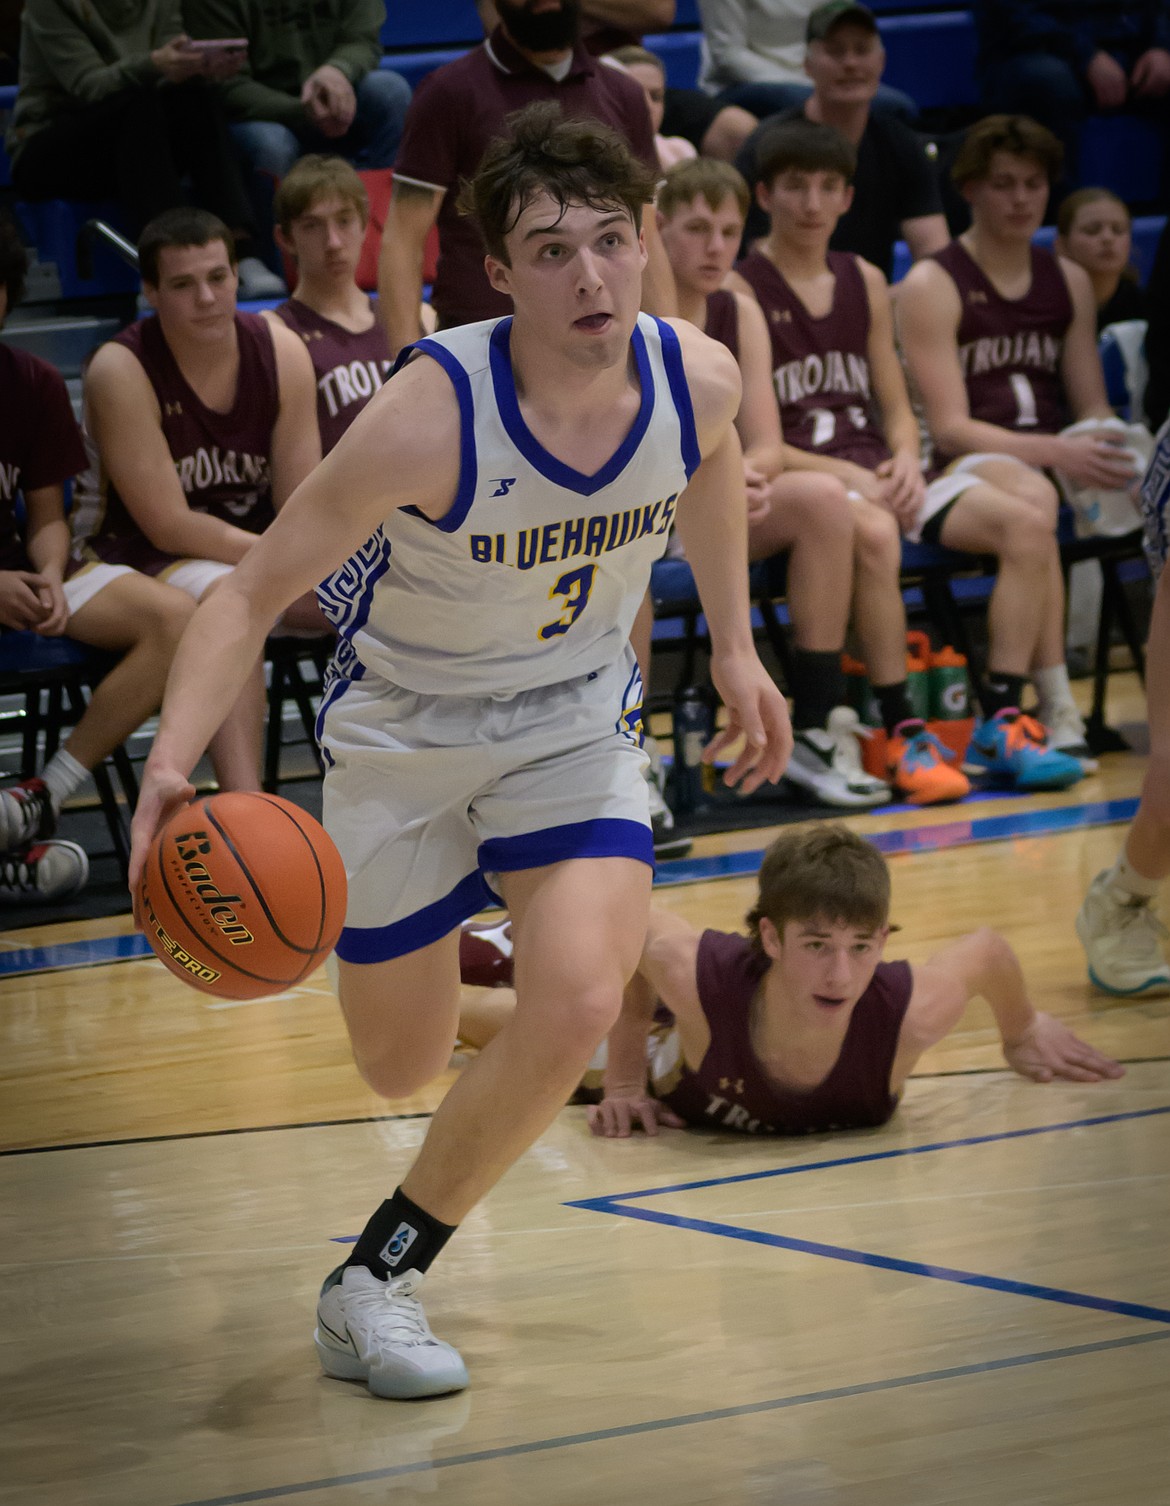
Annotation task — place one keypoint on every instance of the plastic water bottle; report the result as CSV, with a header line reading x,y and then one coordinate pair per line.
x,y
693,727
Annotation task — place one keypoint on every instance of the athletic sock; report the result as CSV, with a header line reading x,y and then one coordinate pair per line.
x,y
894,704
401,1236
816,684
999,691
1053,688
62,775
1124,876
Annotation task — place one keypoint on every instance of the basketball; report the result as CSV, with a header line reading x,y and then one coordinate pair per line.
x,y
242,895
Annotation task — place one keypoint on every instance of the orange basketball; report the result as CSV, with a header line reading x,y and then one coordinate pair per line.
x,y
242,895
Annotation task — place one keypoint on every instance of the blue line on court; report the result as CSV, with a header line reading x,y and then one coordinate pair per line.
x,y
70,954
1032,823
874,1155
620,1206
685,1420
894,1263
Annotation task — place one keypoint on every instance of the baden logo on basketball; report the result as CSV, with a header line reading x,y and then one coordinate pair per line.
x,y
192,846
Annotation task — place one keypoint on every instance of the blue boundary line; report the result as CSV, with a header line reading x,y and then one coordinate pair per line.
x,y
683,1420
619,1205
1034,823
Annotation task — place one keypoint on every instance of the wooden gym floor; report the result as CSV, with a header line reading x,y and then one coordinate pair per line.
x,y
969,1305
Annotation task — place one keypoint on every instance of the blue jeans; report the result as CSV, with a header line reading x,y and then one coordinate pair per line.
x,y
762,100
371,141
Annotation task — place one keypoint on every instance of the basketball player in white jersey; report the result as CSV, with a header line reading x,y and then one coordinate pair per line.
x,y
492,517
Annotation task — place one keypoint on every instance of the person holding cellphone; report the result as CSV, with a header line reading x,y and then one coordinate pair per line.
x,y
116,102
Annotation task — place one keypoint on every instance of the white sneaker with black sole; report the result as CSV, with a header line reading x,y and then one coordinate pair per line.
x,y
667,842
1066,734
826,762
376,1331
43,872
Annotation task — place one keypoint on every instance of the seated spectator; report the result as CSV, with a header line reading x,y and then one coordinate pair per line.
x,y
845,413
1000,338
40,450
456,111
115,102
1059,60
321,216
647,68
1096,231
200,423
895,189
713,129
755,54
311,82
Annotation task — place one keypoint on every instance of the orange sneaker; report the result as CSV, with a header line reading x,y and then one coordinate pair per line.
x,y
921,769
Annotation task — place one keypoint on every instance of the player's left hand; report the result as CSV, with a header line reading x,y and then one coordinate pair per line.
x,y
1049,1049
52,598
906,487
163,791
756,711
758,490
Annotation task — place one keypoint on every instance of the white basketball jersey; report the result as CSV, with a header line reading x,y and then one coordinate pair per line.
x,y
535,574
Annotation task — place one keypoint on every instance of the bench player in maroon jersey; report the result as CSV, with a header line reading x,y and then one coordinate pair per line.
x,y
845,414
1000,339
40,450
797,1028
701,210
200,423
322,212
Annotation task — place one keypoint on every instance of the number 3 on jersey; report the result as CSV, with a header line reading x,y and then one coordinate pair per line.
x,y
574,586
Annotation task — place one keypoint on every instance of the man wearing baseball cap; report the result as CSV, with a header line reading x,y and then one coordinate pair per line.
x,y
895,191
755,53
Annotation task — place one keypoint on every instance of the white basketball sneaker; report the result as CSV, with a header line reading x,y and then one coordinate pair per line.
x,y
1123,941
376,1331
43,872
826,761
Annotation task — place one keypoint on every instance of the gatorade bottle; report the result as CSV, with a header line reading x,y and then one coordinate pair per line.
x,y
918,673
950,694
693,729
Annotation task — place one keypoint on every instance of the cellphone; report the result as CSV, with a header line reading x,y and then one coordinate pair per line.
x,y
220,44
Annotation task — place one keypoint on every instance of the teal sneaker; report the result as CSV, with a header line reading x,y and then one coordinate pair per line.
x,y
1012,749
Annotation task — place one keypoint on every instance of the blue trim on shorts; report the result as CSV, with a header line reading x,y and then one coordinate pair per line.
x,y
552,469
677,377
383,943
468,465
605,837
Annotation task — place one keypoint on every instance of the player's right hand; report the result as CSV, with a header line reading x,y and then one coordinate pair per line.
x,y
1095,460
163,791
617,1118
22,605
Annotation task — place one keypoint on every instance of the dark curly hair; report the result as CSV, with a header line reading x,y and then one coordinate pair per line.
x,y
573,161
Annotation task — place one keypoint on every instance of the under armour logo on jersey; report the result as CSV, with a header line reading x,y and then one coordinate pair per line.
x,y
781,316
725,1083
398,1244
504,485
172,410
976,295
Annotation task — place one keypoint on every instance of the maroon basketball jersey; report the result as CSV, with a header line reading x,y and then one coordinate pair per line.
x,y
821,366
40,444
223,460
730,1090
350,368
723,319
1010,349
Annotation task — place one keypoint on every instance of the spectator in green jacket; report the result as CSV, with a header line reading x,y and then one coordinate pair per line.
x,y
311,81
115,102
